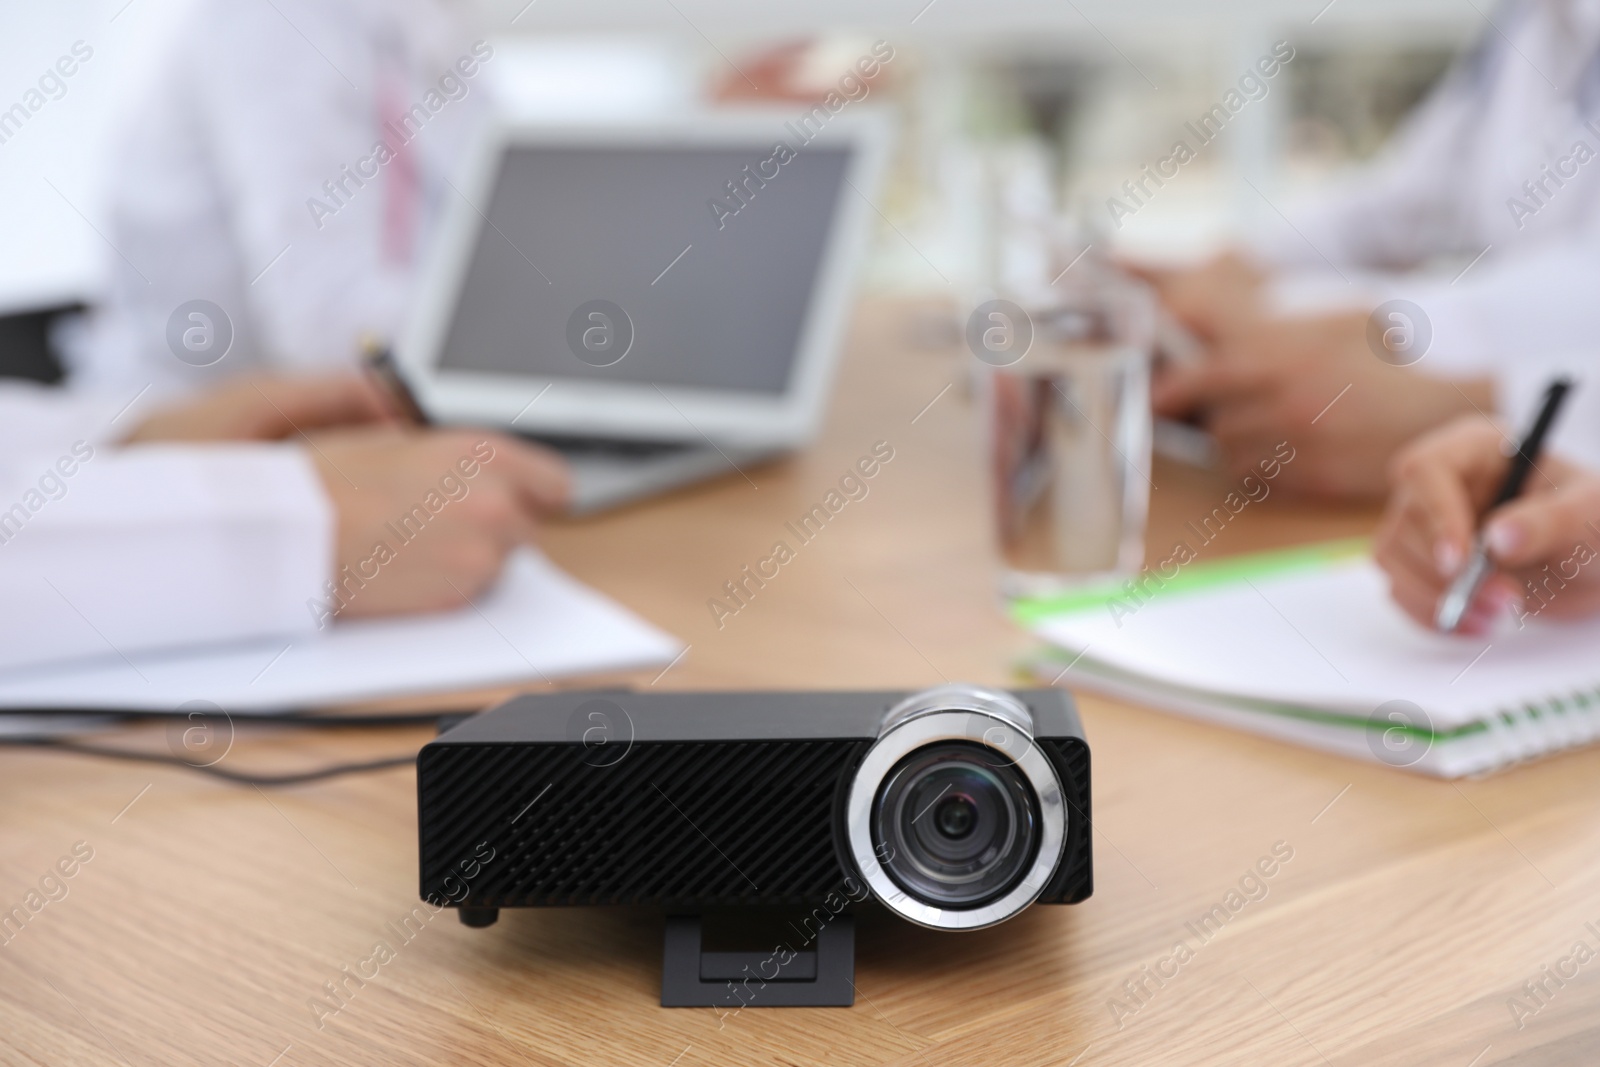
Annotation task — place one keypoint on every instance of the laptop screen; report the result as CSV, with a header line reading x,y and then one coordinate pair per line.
x,y
640,264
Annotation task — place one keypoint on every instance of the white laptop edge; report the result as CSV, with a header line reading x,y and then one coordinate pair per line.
x,y
642,411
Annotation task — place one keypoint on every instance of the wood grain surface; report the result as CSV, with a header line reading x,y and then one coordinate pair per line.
x,y
1401,930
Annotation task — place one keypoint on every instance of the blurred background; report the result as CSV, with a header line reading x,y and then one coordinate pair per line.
x,y
1018,106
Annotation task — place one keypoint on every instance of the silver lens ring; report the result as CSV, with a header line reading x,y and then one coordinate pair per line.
x,y
985,717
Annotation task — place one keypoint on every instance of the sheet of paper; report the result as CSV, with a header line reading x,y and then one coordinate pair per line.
x,y
537,624
1331,638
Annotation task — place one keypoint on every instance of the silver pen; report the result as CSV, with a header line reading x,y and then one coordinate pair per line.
x,y
1453,605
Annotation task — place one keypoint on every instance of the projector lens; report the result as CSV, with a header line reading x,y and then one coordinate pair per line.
x,y
959,822
955,817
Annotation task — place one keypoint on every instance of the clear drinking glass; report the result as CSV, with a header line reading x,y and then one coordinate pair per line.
x,y
1065,396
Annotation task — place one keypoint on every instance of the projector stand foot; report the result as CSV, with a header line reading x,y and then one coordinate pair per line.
x,y
818,975
479,916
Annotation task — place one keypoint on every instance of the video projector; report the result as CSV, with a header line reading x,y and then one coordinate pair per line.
x,y
955,807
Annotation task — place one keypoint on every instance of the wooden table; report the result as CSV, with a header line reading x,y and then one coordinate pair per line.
x,y
1410,913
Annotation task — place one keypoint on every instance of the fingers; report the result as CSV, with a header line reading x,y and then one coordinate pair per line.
x,y
1406,544
1416,593
1438,515
1470,446
1179,390
1404,552
1500,593
495,515
1408,549
1417,586
1441,481
538,476
1249,425
1536,528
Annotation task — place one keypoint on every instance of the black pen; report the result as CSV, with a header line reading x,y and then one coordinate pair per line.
x,y
379,362
1453,605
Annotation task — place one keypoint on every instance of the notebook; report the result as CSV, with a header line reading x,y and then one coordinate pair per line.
x,y
537,624
1306,646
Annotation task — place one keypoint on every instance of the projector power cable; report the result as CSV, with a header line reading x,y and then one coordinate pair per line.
x,y
292,719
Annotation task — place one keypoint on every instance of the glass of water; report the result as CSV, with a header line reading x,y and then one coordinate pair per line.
x,y
1065,397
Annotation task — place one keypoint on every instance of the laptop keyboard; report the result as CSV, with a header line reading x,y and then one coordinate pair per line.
x,y
608,447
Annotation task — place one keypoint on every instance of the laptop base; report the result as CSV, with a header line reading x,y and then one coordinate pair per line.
x,y
609,473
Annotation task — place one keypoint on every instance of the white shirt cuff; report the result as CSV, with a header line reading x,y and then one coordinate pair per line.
x,y
160,546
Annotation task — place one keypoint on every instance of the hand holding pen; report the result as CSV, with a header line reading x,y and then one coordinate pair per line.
x,y
1539,543
377,360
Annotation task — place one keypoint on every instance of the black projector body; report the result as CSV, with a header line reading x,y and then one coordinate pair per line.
x,y
956,807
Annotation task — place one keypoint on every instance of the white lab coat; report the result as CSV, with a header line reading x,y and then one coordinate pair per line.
x,y
211,194
114,552
229,184
1451,186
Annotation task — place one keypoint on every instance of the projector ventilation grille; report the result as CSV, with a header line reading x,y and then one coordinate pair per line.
x,y
707,823
1074,877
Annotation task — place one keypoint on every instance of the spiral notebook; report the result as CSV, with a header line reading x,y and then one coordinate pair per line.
x,y
1306,646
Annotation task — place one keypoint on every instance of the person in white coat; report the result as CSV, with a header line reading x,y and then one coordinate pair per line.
x,y
269,201
267,507
1483,214
280,176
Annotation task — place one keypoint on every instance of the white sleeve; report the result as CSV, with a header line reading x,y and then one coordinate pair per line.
x,y
1528,303
107,553
40,416
1520,321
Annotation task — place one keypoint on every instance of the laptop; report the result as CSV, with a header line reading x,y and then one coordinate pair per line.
x,y
662,303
